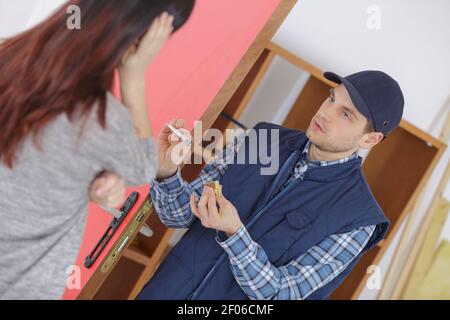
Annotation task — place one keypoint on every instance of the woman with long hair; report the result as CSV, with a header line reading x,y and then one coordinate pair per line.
x,y
61,129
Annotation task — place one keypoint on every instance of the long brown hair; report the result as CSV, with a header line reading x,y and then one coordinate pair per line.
x,y
49,69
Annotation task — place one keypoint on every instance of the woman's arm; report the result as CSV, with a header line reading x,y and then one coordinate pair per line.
x,y
133,97
109,188
132,72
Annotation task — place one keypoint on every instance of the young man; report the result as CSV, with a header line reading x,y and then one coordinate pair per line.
x,y
293,235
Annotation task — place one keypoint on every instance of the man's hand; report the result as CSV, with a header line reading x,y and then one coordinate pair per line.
x,y
166,143
225,218
108,190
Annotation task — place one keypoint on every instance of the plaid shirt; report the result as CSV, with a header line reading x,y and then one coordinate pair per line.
x,y
251,268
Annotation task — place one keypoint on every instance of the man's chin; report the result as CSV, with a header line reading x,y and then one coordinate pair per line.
x,y
315,140
311,135
308,133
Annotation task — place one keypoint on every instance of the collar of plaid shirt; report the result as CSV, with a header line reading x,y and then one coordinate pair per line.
x,y
305,163
304,160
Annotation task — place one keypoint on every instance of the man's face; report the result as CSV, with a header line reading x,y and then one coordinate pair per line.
x,y
338,126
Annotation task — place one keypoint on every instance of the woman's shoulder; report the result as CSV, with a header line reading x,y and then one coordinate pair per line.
x,y
87,128
116,110
117,117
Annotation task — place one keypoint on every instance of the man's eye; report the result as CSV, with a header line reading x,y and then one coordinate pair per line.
x,y
345,114
331,99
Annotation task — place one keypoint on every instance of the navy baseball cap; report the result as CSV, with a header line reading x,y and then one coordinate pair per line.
x,y
376,95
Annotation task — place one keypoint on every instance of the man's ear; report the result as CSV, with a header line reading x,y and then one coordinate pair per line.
x,y
369,140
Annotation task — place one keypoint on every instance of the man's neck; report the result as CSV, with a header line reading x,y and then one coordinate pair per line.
x,y
315,154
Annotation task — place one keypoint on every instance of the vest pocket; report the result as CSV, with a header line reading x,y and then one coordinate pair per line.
x,y
280,238
298,220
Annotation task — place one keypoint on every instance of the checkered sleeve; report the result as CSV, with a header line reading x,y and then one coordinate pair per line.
x,y
171,197
300,277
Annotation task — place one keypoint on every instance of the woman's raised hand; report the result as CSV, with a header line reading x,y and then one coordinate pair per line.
x,y
137,59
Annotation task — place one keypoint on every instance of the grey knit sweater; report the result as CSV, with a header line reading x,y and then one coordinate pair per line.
x,y
44,198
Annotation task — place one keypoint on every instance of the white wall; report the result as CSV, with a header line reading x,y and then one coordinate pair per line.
x,y
14,18
412,45
18,15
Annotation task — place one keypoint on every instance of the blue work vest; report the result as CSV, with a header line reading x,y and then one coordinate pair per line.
x,y
328,200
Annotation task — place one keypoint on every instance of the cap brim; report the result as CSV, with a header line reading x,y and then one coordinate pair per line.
x,y
333,77
357,100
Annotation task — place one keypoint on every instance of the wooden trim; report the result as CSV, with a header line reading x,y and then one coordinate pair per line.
x,y
419,258
256,82
421,255
151,267
136,254
435,142
412,201
381,243
299,62
390,290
